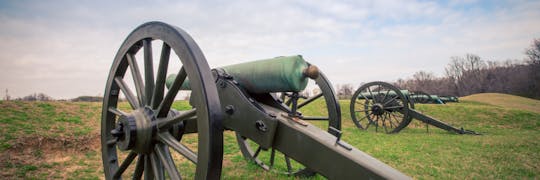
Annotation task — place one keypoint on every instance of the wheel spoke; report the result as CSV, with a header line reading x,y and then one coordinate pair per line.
x,y
370,121
176,119
167,161
363,110
112,141
386,95
165,105
161,75
365,96
379,90
272,157
288,161
289,101
393,107
384,123
148,70
358,102
125,165
117,111
311,99
376,123
139,168
372,97
127,92
364,117
397,119
257,152
393,98
168,139
136,73
390,121
156,166
148,173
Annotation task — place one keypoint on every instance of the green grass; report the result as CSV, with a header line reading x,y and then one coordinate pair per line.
x,y
40,139
508,149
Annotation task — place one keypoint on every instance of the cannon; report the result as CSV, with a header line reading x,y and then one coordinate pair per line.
x,y
425,98
383,105
150,137
447,99
289,77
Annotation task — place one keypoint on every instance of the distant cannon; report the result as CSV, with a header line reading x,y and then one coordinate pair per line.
x,y
425,98
447,99
421,97
153,139
385,106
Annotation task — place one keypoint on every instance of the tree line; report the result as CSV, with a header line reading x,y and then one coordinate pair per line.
x,y
45,97
472,74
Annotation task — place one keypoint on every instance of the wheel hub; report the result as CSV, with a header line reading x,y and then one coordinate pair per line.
x,y
135,131
377,109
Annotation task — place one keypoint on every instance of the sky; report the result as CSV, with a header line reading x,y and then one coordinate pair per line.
x,y
65,48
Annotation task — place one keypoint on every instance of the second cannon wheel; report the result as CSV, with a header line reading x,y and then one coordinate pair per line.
x,y
380,105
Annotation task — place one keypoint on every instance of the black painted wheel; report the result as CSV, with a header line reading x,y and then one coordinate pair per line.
x,y
381,105
146,137
273,160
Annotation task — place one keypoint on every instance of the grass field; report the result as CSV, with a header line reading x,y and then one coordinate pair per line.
x,y
60,140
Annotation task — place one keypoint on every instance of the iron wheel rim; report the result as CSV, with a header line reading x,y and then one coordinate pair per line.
x,y
207,111
366,111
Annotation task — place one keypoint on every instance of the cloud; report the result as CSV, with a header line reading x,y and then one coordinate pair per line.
x,y
65,48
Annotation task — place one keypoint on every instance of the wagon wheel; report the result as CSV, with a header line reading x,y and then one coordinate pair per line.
x,y
144,137
273,160
382,105
422,97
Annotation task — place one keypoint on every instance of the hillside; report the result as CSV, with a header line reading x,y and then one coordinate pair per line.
x,y
505,100
59,140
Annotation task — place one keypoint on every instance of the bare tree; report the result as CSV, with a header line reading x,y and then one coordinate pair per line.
x,y
423,81
345,91
470,74
36,97
533,52
466,73
454,71
7,98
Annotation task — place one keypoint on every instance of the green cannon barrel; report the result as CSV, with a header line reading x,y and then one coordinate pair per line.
x,y
280,74
383,92
448,99
434,98
418,96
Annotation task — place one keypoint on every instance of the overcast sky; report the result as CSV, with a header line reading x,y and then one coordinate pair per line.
x,y
65,48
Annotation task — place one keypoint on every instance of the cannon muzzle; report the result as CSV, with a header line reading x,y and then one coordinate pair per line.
x,y
280,74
